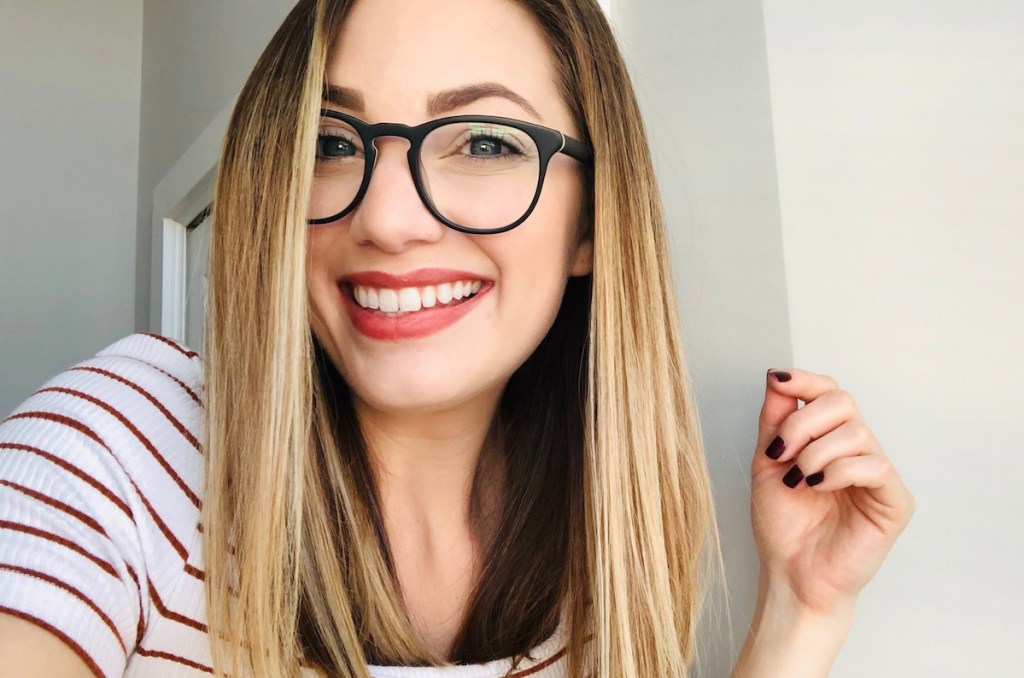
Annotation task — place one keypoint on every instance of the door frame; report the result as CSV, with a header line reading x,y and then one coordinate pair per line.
x,y
184,192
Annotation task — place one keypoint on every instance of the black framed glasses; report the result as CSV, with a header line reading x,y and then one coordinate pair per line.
x,y
475,173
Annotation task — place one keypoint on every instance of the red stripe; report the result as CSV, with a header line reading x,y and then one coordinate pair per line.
x,y
172,615
141,628
173,344
75,647
73,591
180,383
49,536
59,505
85,430
135,431
148,396
166,531
61,419
174,658
539,667
74,470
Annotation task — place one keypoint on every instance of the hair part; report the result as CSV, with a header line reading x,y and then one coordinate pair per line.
x,y
607,487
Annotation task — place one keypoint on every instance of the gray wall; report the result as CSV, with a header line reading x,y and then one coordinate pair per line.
x,y
900,136
702,80
195,56
69,134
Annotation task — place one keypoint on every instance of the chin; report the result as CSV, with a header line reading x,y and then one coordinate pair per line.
x,y
416,385
420,396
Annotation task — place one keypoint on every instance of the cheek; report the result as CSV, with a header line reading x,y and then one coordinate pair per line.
x,y
321,246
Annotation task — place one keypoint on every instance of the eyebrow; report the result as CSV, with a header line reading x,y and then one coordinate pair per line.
x,y
441,102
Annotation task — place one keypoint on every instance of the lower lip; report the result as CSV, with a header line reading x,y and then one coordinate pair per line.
x,y
422,323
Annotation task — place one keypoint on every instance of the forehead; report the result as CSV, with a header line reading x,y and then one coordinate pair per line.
x,y
399,53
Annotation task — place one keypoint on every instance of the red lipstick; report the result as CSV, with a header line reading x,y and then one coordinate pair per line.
x,y
375,324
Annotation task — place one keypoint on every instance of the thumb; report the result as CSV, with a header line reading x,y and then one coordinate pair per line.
x,y
776,407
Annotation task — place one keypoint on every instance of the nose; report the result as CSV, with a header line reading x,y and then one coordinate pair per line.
x,y
391,215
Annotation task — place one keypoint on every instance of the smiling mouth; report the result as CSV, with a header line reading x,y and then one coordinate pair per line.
x,y
395,303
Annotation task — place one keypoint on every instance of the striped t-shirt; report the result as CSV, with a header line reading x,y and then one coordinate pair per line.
x,y
100,543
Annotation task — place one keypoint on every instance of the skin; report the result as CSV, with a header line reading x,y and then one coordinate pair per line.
x,y
427,404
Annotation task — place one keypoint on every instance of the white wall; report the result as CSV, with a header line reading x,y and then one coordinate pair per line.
x,y
196,56
69,131
899,130
702,80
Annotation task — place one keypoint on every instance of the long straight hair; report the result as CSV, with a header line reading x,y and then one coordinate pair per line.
x,y
607,515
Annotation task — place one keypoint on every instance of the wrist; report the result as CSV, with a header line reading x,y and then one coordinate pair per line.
x,y
789,638
777,600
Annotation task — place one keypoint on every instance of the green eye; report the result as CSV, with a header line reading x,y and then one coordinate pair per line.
x,y
485,147
332,146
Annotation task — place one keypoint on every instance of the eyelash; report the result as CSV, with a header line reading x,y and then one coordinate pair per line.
x,y
326,134
513,148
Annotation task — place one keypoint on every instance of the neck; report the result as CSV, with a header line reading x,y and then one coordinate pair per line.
x,y
439,482
428,466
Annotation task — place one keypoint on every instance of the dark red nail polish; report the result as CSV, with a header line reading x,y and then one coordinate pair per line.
x,y
815,478
793,476
782,376
775,448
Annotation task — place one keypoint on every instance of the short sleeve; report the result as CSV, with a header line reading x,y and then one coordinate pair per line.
x,y
86,465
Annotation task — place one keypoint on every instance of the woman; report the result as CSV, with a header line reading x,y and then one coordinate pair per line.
x,y
446,413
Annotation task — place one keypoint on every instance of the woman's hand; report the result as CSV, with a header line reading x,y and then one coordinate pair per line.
x,y
827,504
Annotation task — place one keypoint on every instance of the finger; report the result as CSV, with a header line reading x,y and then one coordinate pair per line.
x,y
875,473
850,439
816,420
783,388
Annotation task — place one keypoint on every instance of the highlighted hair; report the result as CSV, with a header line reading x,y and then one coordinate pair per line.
x,y
608,515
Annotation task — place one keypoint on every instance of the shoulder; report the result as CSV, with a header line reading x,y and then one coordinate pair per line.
x,y
100,482
164,357
130,415
138,378
141,394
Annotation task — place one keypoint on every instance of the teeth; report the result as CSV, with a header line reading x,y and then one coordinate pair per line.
x,y
428,297
412,299
409,300
388,301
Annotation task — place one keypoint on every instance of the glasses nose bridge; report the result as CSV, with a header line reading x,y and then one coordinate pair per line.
x,y
393,129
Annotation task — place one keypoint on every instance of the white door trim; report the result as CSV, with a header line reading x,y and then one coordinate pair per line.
x,y
181,195
172,313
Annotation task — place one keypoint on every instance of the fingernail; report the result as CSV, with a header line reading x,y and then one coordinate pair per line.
x,y
782,376
793,476
775,448
815,478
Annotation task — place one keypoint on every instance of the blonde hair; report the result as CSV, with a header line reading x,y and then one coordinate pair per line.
x,y
296,559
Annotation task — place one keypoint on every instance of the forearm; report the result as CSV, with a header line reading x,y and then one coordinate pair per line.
x,y
787,639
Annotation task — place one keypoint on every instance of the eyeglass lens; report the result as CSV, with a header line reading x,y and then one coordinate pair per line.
x,y
479,175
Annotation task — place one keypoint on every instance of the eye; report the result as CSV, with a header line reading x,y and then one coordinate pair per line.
x,y
330,146
485,146
337,141
483,140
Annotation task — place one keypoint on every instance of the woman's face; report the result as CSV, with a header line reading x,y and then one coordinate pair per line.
x,y
398,56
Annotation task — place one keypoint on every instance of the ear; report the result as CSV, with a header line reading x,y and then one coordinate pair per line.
x,y
583,257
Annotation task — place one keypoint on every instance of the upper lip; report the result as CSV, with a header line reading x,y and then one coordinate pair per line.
x,y
418,278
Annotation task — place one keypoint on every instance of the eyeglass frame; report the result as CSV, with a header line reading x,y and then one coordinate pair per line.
x,y
549,143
